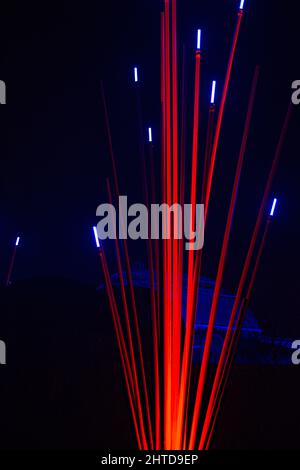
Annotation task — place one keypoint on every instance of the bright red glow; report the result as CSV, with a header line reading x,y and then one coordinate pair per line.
x,y
166,408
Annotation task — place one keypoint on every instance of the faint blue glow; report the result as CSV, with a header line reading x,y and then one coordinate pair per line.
x,y
220,327
136,77
199,39
213,92
96,237
150,134
17,241
242,4
273,207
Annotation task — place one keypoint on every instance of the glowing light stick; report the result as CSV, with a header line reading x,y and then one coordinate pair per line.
x,y
199,39
273,208
213,92
96,237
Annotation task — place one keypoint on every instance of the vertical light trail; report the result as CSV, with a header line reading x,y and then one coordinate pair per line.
x,y
152,290
155,307
155,346
182,193
127,370
234,340
222,384
221,111
167,248
189,313
128,268
12,262
110,145
208,148
247,264
130,343
176,302
165,425
218,285
198,263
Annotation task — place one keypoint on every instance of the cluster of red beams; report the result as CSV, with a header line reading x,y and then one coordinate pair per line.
x,y
172,415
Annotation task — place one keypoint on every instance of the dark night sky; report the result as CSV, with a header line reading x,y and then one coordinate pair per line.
x,y
54,156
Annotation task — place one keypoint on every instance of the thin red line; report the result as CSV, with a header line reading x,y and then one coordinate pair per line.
x,y
221,111
129,334
208,149
154,324
182,186
11,266
248,259
235,338
176,310
198,264
189,313
150,255
218,285
222,385
135,316
121,345
156,242
110,145
168,291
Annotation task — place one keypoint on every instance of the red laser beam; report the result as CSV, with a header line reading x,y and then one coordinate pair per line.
x,y
189,310
121,345
222,107
234,340
248,258
12,263
131,288
223,256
